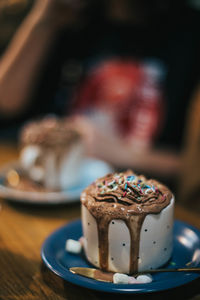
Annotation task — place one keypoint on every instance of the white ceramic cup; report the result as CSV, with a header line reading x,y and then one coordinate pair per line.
x,y
155,245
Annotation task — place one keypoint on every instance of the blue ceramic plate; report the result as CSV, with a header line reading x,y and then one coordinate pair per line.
x,y
186,246
90,169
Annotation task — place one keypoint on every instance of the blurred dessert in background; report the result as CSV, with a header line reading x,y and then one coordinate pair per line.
x,y
127,223
51,152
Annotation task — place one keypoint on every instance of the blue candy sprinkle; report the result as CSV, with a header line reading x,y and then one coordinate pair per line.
x,y
130,178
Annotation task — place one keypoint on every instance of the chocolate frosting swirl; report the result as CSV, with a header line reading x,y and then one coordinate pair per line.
x,y
135,192
49,132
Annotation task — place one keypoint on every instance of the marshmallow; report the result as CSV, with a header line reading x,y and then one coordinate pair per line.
x,y
144,278
73,246
119,278
132,280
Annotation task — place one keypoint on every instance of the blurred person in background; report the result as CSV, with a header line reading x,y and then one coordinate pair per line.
x,y
129,67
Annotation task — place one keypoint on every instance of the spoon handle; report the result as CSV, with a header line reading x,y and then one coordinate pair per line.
x,y
170,270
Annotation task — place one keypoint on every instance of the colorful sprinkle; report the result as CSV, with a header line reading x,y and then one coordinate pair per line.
x,y
130,178
114,188
146,192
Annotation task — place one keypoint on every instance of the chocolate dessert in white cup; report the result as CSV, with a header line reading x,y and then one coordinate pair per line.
x,y
51,152
127,223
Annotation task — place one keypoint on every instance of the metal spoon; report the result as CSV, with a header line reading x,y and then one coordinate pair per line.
x,y
108,276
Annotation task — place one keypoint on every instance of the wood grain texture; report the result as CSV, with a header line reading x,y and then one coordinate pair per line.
x,y
23,229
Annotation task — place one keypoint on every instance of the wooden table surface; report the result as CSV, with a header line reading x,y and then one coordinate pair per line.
x,y
23,229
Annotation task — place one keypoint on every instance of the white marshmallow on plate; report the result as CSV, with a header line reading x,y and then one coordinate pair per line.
x,y
132,280
144,278
119,278
73,246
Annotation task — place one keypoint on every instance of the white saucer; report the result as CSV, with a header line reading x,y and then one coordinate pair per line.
x,y
90,170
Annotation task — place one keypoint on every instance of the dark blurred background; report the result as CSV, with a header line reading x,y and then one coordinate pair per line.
x,y
167,31
151,46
